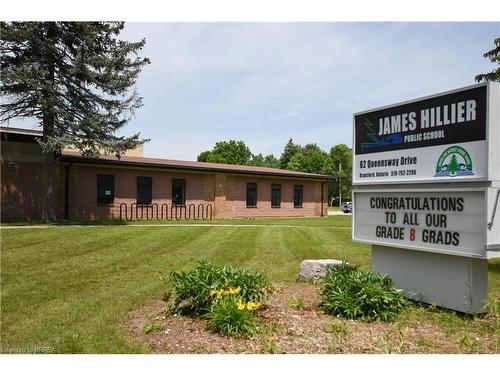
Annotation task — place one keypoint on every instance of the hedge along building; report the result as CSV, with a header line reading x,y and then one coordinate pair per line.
x,y
111,188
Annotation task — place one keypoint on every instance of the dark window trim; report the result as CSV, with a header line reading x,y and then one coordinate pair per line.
x,y
183,191
144,178
112,197
254,184
272,186
301,189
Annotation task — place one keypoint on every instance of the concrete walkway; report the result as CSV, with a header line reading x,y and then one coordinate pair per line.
x,y
160,225
337,212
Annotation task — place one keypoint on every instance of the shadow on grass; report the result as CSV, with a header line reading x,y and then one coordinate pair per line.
x,y
494,266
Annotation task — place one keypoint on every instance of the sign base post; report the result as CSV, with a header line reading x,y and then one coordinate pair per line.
x,y
455,282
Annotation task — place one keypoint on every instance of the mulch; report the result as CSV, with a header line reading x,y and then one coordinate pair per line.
x,y
288,327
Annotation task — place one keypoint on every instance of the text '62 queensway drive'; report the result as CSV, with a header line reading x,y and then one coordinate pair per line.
x,y
427,184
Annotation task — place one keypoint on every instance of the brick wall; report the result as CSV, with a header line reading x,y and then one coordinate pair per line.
x,y
83,190
310,206
225,192
21,195
21,173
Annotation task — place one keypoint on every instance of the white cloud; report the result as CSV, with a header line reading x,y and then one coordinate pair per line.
x,y
266,82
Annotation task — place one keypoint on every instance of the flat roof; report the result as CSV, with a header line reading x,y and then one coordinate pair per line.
x,y
75,157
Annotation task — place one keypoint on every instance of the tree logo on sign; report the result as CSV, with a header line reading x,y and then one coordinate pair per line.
x,y
454,161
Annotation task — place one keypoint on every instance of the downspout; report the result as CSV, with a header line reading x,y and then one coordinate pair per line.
x,y
66,192
215,186
322,189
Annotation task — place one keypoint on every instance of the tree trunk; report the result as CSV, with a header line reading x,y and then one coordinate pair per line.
x,y
48,122
47,198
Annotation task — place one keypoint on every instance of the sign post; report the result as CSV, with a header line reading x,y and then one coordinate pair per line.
x,y
426,177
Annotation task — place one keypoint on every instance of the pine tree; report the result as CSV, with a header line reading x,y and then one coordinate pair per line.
x,y
494,57
76,79
453,166
288,152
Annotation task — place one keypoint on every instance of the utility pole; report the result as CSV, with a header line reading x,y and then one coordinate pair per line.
x,y
340,186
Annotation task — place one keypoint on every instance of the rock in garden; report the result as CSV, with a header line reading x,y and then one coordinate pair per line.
x,y
313,269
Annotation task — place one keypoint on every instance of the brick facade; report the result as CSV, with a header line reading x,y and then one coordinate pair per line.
x,y
21,173
83,185
224,191
230,193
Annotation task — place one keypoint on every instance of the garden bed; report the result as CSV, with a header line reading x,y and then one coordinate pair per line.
x,y
294,323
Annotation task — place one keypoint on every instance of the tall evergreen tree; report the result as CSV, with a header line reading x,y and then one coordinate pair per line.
x,y
288,152
494,57
76,79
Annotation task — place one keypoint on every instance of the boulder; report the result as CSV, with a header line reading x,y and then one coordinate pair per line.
x,y
313,269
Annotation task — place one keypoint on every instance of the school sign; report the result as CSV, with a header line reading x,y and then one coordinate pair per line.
x,y
435,139
427,182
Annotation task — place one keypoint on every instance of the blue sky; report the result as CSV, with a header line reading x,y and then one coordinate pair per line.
x,y
266,82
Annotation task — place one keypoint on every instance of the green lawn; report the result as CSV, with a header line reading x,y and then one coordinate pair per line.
x,y
72,287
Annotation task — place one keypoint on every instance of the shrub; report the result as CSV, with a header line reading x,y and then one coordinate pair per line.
x,y
230,316
192,290
355,294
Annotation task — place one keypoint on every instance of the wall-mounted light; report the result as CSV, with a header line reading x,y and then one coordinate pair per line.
x,y
11,164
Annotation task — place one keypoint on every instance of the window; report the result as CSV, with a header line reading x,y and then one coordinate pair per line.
x,y
105,189
144,190
297,196
178,191
251,194
275,196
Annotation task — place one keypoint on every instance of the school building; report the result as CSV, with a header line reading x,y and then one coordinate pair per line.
x,y
137,187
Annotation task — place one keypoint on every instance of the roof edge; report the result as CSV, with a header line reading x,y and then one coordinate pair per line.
x,y
271,172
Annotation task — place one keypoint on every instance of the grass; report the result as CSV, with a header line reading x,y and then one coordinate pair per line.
x,y
71,288
285,221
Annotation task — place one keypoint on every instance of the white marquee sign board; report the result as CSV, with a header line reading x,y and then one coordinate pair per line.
x,y
426,177
449,142
450,222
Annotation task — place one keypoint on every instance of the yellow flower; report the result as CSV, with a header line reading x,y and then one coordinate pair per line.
x,y
252,305
234,290
240,306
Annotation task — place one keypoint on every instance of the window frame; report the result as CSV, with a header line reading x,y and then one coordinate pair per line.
x,y
278,186
149,194
174,181
252,186
101,180
298,188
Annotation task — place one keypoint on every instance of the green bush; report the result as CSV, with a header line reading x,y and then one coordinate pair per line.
x,y
355,294
193,291
230,316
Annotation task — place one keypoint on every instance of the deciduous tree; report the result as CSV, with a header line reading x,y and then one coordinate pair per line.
x,y
311,159
268,161
228,152
341,157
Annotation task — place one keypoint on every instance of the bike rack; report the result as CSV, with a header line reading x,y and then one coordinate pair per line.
x,y
176,212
